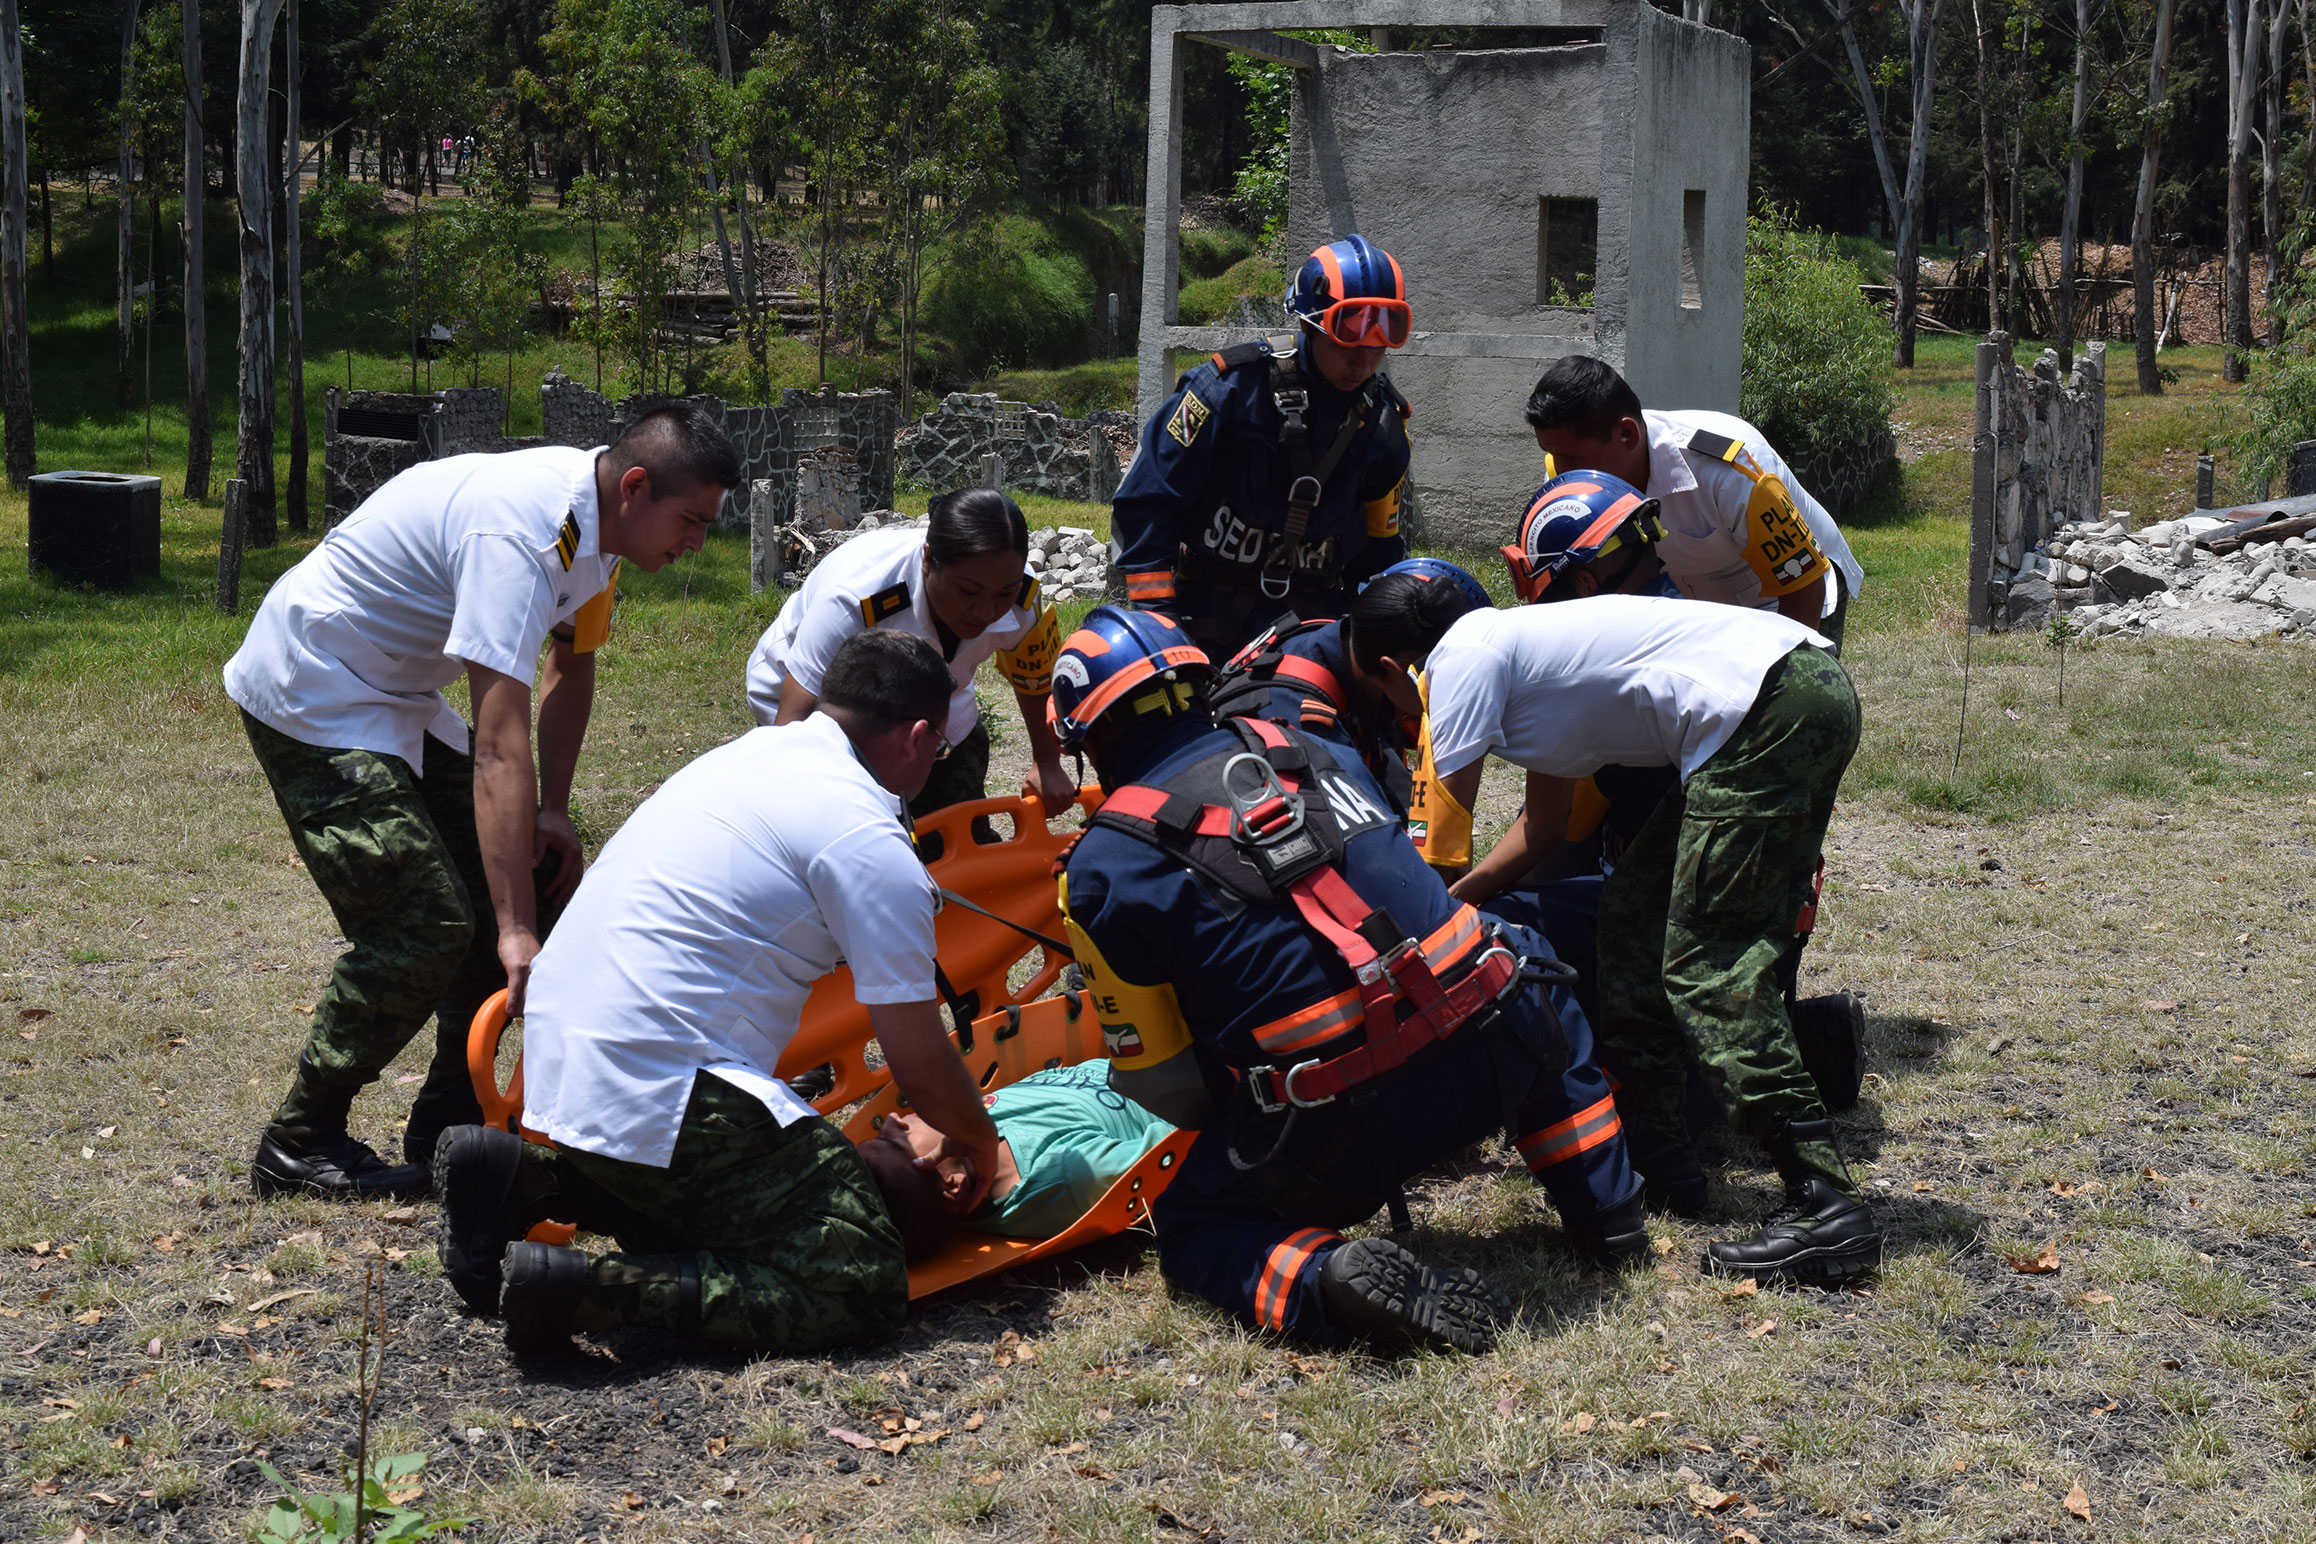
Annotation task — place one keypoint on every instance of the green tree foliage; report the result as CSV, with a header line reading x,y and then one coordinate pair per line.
x,y
2282,388
1261,188
631,85
1068,128
425,79
1815,380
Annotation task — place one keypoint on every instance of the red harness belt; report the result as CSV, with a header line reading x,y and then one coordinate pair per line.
x,y
1405,1004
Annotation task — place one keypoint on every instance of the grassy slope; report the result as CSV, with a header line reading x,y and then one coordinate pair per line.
x,y
2092,1045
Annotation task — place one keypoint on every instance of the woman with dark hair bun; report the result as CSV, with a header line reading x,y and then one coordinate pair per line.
x,y
961,583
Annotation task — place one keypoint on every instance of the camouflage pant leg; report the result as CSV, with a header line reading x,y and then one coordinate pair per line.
x,y
794,1248
362,823
1640,1038
1752,821
448,1098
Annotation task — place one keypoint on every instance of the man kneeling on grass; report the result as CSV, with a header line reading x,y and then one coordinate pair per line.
x,y
660,1007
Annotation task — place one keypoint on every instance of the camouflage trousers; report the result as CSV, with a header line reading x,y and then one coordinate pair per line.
x,y
790,1239
397,858
1702,906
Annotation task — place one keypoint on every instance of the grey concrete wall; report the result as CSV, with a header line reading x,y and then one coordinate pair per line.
x,y
1692,102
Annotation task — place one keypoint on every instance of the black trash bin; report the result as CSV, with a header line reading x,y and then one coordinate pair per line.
x,y
100,528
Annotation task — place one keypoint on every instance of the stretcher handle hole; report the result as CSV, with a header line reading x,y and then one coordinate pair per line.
x,y
1166,1160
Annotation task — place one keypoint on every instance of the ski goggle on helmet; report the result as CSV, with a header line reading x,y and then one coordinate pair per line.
x,y
1351,290
1576,519
1134,661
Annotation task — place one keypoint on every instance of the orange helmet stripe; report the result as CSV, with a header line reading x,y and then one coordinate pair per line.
x,y
1333,266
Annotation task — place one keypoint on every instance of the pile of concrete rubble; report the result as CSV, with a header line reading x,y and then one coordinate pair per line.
x,y
1071,562
2200,576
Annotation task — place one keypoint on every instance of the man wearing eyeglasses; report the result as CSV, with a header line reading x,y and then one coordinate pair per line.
x,y
1270,481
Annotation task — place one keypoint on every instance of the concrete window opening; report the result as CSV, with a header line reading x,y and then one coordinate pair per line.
x,y
1692,249
1567,250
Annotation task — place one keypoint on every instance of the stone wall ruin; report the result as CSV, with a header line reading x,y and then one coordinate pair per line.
x,y
2038,448
1043,452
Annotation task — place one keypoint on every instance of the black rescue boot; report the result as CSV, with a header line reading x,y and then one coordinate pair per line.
x,y
1672,1176
474,1173
1616,1239
306,1148
1823,1234
1831,1032
545,1284
1379,1292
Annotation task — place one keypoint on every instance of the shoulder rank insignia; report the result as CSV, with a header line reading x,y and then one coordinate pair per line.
x,y
1717,447
890,601
1190,416
567,540
1028,601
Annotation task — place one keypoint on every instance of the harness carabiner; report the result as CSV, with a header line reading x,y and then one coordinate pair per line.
x,y
1271,813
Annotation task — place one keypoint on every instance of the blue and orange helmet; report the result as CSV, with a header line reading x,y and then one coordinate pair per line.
x,y
1575,519
1351,290
1141,661
1455,576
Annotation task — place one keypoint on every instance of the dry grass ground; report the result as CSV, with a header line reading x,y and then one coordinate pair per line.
x,y
2086,952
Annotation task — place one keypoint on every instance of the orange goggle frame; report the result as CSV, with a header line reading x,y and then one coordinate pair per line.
x,y
1602,537
1364,322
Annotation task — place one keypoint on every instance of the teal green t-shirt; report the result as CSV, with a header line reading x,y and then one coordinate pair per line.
x,y
1072,1136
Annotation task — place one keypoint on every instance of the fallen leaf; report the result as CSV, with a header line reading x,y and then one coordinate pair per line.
x,y
974,1421
403,1215
232,1329
1583,1423
1711,1500
276,1385
1923,1187
2094,1295
1873,887
2078,1503
1745,1288
630,1500
33,1015
1507,1406
1765,1327
1091,1472
282,1297
991,1478
2061,1188
44,1294
2042,1264
716,1446
894,1445
2108,1408
55,1402
2163,1007
91,1317
2151,1175
106,1131
2171,1364
852,1439
1075,1447
1441,1498
1696,1445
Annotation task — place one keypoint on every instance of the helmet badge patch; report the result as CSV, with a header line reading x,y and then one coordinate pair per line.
x,y
1072,669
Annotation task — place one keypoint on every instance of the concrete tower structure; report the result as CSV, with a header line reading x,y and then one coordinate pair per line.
x,y
1584,196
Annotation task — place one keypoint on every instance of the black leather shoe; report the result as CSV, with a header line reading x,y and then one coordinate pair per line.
x,y
338,1167
1614,1240
1819,1236
1831,1032
1378,1291
544,1285
474,1173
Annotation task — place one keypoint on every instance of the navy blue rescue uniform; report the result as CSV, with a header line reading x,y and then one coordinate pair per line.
x,y
1201,519
1304,680
1253,1215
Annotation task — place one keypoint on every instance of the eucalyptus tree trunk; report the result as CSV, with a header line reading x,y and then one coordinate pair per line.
x,y
197,449
15,329
2272,166
124,270
253,449
2087,14
2146,326
290,279
2243,71
1922,18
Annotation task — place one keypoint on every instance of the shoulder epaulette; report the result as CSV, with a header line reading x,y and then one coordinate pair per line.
x,y
1028,601
567,540
1247,353
890,601
1718,447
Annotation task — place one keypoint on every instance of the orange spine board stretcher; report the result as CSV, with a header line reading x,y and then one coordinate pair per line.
x,y
1013,878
